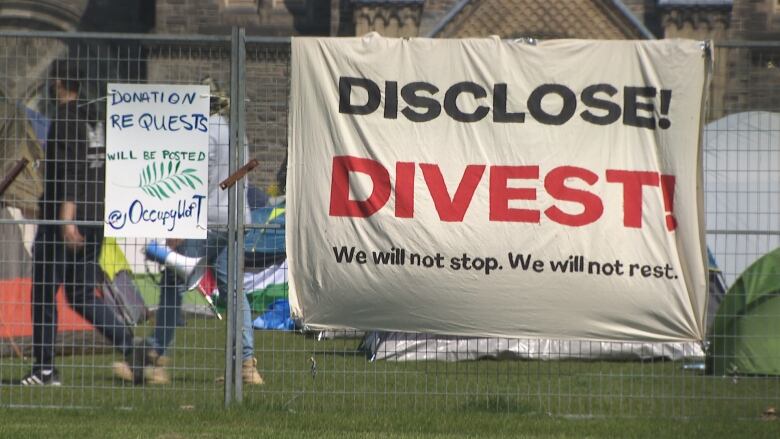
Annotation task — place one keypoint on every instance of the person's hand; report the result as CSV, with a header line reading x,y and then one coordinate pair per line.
x,y
173,242
73,238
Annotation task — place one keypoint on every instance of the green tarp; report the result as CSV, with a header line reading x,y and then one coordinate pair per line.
x,y
746,332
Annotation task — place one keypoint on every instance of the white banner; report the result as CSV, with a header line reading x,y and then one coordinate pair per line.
x,y
157,160
495,188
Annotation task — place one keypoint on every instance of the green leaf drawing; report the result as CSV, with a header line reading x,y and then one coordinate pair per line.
x,y
162,183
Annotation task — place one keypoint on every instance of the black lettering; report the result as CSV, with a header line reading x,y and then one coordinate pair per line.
x,y
631,107
345,95
391,100
409,95
451,102
344,254
519,261
589,99
499,106
567,110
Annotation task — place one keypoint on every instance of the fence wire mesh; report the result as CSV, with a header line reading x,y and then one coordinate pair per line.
x,y
734,372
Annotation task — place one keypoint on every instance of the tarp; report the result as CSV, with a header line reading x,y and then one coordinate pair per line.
x,y
396,346
401,346
494,188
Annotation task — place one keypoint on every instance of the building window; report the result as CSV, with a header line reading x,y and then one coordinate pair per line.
x,y
290,5
242,5
769,59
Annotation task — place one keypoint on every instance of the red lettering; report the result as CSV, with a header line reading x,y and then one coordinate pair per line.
x,y
404,189
501,194
557,183
452,209
340,204
667,189
554,184
633,182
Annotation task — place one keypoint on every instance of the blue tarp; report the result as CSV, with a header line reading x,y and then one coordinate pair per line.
x,y
276,317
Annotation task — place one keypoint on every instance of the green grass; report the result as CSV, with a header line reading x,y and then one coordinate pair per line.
x,y
352,397
248,422
346,380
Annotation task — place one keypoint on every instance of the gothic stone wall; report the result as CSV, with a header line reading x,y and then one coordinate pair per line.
x,y
267,89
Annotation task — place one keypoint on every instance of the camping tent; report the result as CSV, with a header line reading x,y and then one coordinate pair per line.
x,y
18,141
741,181
746,332
74,333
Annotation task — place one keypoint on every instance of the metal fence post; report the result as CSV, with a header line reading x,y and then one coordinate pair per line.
x,y
232,342
239,126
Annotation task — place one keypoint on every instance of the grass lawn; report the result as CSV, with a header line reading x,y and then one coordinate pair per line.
x,y
349,396
250,421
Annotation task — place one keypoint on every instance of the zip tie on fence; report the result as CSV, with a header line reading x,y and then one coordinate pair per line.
x,y
219,96
240,173
706,48
113,92
94,100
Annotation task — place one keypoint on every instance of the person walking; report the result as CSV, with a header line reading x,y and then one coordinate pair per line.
x,y
172,286
66,254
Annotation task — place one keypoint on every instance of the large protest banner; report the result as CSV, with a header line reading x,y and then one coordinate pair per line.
x,y
497,188
157,160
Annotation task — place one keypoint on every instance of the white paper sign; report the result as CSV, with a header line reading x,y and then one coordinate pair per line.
x,y
157,160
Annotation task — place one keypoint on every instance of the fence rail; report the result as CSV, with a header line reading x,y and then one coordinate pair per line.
x,y
204,365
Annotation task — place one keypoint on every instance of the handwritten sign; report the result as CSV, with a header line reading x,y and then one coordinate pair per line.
x,y
156,160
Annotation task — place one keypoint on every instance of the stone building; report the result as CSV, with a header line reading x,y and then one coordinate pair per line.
x,y
746,76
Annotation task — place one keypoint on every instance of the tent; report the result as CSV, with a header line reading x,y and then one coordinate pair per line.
x,y
746,332
74,333
19,140
741,180
265,258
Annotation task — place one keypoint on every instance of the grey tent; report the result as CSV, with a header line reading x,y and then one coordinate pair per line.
x,y
742,188
18,140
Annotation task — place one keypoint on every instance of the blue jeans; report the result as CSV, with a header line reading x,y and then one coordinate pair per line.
x,y
172,288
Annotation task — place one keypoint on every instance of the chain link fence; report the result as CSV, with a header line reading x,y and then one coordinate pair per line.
x,y
205,361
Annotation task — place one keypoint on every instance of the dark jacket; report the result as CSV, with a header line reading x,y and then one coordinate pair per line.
x,y
74,166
